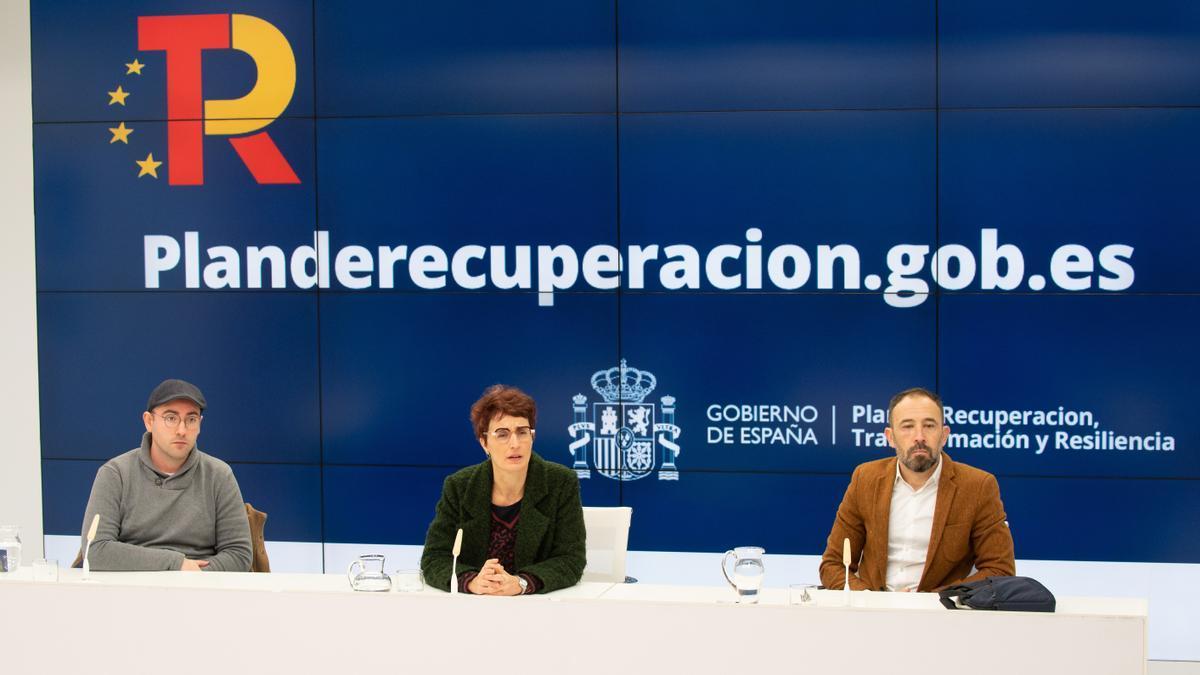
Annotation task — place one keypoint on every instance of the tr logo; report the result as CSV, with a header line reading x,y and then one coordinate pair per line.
x,y
184,38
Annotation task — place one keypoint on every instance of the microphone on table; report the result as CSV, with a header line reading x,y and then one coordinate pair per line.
x,y
846,562
91,536
454,564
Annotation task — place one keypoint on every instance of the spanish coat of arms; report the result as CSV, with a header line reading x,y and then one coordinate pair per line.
x,y
624,437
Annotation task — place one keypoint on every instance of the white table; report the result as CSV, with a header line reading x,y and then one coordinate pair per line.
x,y
209,622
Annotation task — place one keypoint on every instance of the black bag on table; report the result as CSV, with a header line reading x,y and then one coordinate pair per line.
x,y
1014,594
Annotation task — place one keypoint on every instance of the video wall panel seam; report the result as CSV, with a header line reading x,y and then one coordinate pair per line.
x,y
317,327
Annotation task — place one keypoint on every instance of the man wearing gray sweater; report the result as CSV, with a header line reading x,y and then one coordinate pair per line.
x,y
167,505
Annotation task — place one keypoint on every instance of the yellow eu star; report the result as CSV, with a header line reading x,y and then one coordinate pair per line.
x,y
134,68
121,133
149,166
117,96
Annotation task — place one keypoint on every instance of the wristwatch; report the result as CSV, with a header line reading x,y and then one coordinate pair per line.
x,y
524,585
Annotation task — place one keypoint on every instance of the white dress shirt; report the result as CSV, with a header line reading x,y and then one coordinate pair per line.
x,y
909,527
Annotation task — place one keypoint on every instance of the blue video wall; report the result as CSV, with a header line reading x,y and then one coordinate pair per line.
x,y
710,238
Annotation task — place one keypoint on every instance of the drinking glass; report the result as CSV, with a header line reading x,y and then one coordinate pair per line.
x,y
45,570
802,594
407,581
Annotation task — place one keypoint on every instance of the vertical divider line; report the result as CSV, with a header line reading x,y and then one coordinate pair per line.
x,y
617,212
937,189
317,227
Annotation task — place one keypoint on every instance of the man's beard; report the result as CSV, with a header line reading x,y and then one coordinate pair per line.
x,y
920,463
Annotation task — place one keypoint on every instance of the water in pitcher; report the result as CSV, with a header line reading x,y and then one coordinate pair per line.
x,y
748,578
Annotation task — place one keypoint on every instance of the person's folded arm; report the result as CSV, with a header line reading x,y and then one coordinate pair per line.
x,y
564,565
107,553
234,551
990,537
848,523
436,557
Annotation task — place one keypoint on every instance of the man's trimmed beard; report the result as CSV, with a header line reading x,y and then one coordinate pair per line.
x,y
921,463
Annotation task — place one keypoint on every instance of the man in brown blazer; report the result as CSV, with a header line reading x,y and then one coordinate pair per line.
x,y
918,521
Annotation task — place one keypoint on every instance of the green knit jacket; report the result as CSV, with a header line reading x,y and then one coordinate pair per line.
x,y
551,539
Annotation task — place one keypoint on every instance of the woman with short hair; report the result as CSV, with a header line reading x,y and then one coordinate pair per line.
x,y
521,516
